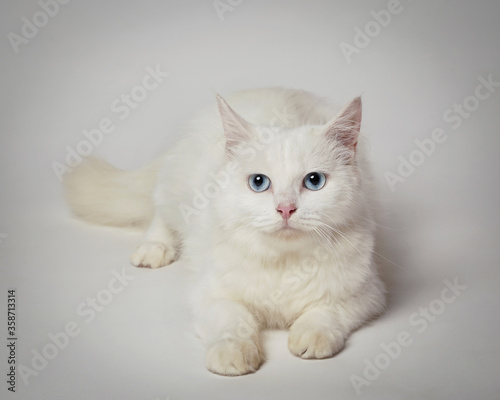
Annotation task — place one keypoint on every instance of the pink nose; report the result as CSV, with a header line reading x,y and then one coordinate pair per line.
x,y
286,210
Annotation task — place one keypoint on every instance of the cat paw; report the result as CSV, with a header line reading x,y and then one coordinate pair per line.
x,y
153,255
234,357
314,343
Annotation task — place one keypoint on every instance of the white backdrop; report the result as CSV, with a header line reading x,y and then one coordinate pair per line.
x,y
90,326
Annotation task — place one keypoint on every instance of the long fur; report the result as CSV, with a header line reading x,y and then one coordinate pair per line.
x,y
313,273
102,194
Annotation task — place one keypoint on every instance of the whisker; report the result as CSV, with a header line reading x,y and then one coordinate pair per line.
x,y
344,234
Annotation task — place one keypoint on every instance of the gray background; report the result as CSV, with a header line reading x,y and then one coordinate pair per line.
x,y
441,223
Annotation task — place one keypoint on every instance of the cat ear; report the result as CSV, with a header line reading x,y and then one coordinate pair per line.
x,y
236,129
344,128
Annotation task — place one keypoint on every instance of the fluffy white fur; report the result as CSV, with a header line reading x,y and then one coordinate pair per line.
x,y
312,273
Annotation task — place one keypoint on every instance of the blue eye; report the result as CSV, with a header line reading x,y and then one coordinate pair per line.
x,y
314,180
259,182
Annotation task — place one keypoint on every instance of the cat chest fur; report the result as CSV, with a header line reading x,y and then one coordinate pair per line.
x,y
278,290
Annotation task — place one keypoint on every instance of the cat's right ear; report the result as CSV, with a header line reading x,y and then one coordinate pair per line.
x,y
236,129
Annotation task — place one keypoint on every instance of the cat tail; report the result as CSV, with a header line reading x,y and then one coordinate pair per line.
x,y
102,194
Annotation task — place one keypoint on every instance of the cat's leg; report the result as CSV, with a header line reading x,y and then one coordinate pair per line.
x,y
322,331
232,337
159,246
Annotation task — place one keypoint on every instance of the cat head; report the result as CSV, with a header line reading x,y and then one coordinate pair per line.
x,y
290,184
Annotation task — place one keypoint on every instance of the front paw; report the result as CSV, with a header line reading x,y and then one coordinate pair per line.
x,y
153,255
233,357
315,343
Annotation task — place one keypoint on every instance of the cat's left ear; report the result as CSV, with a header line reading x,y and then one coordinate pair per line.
x,y
344,128
236,129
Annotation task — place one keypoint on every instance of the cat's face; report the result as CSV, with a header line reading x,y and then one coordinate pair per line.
x,y
290,183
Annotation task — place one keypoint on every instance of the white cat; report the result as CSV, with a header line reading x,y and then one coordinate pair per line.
x,y
271,207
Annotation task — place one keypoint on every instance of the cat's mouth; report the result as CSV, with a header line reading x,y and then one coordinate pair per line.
x,y
288,232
